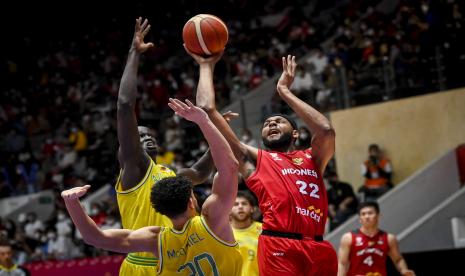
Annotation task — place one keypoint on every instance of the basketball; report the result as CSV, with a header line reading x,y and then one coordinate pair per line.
x,y
205,34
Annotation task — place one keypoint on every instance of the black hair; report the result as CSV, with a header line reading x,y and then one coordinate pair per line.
x,y
372,204
373,147
248,196
171,195
288,118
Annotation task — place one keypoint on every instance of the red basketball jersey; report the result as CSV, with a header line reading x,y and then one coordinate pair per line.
x,y
368,255
290,191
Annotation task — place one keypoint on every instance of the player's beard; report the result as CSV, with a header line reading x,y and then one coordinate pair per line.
x,y
282,143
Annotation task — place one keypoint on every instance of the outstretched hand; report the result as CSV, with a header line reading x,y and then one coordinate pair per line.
x,y
229,116
140,31
287,77
188,110
210,60
75,192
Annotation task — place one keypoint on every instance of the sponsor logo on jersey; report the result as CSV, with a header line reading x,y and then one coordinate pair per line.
x,y
275,156
358,241
308,172
311,212
298,161
370,251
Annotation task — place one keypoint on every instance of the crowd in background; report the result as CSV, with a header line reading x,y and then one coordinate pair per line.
x,y
58,102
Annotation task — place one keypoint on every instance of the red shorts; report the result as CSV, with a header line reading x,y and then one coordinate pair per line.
x,y
283,256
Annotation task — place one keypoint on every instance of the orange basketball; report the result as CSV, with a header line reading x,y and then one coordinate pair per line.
x,y
205,34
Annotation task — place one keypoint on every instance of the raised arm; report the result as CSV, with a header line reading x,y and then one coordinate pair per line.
x,y
205,98
323,139
344,252
218,205
397,258
200,171
131,155
117,240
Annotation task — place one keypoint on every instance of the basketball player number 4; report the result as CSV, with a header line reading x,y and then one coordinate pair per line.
x,y
195,268
312,188
368,261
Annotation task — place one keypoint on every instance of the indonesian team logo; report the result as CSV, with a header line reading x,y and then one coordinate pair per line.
x,y
275,156
297,161
358,241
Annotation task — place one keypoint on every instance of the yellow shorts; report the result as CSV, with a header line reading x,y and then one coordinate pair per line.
x,y
138,266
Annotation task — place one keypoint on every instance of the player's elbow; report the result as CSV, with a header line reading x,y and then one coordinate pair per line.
x,y
95,242
327,131
231,167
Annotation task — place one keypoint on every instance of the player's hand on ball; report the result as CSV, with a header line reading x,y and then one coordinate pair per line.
x,y
140,32
210,60
75,192
188,110
287,77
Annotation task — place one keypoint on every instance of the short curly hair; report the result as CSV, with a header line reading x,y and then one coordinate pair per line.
x,y
171,195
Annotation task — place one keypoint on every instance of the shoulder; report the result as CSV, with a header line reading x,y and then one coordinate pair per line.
x,y
391,238
346,239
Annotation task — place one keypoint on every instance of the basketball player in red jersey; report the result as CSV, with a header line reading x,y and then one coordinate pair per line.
x,y
364,251
288,183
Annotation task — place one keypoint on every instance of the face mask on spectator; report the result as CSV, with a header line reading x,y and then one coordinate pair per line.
x,y
21,217
43,238
61,217
94,211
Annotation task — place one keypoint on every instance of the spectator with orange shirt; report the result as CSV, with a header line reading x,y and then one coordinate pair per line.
x,y
377,171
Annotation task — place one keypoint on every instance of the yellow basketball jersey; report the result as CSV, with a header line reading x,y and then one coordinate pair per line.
x,y
195,250
137,212
248,242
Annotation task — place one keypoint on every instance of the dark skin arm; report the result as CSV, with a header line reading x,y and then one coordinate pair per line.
x,y
323,139
200,171
132,157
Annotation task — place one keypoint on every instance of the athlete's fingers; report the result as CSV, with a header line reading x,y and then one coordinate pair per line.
x,y
294,65
138,23
189,103
181,104
144,24
175,102
145,31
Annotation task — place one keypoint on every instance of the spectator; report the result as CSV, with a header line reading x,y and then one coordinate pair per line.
x,y
32,226
377,171
97,214
78,139
304,141
342,202
7,266
247,138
